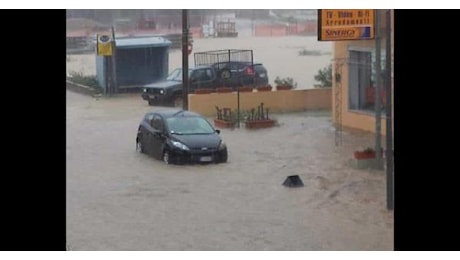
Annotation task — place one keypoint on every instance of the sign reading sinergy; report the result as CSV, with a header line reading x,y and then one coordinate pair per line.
x,y
345,24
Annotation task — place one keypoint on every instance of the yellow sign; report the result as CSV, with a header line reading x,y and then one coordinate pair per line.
x,y
346,24
104,45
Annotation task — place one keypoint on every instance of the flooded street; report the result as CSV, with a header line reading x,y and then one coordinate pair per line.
x,y
118,199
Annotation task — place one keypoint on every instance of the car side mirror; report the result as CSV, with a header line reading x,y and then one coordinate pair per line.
x,y
217,131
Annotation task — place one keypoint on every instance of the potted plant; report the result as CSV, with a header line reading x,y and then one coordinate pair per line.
x,y
246,89
224,90
258,119
225,118
264,88
368,153
285,83
204,90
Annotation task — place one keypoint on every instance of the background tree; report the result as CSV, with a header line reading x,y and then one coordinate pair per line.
x,y
324,76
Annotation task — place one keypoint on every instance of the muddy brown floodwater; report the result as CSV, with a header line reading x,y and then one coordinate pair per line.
x,y
118,199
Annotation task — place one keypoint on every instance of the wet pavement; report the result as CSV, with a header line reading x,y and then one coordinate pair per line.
x,y
118,199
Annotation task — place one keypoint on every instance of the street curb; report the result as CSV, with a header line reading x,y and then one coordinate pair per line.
x,y
82,89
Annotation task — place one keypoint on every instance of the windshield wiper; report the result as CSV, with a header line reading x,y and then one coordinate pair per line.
x,y
178,112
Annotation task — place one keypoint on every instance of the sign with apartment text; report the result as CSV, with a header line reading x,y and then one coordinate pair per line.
x,y
346,24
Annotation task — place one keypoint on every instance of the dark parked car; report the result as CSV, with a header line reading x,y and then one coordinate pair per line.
x,y
229,74
180,136
243,73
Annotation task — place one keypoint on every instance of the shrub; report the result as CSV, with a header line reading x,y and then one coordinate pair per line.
x,y
79,78
324,76
285,82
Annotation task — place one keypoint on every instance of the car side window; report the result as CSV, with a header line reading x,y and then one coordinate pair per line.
x,y
208,74
201,75
157,123
148,118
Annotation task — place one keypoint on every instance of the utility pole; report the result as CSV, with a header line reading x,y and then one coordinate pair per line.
x,y
378,122
106,75
252,23
388,108
185,59
114,63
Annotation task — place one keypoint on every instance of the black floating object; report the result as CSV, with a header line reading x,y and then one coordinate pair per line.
x,y
293,181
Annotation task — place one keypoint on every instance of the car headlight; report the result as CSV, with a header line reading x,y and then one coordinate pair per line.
x,y
162,91
180,145
222,145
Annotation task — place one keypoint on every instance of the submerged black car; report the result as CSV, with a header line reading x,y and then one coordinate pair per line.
x,y
180,136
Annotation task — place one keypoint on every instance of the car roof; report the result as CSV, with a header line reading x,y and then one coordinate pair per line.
x,y
237,62
175,112
232,63
197,67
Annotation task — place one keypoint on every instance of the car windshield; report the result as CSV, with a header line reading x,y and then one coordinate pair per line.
x,y
176,75
189,125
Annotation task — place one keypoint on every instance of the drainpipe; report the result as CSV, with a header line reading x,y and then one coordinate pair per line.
x,y
388,108
114,63
378,127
